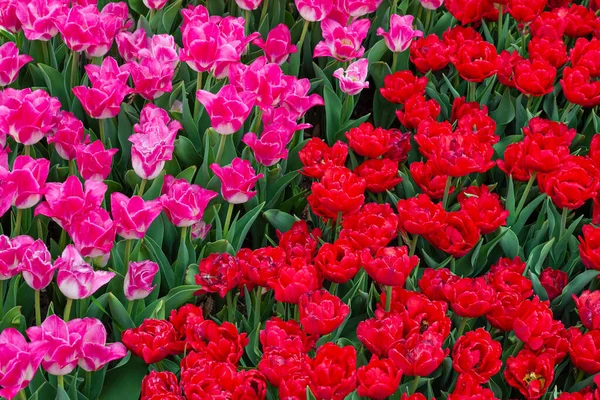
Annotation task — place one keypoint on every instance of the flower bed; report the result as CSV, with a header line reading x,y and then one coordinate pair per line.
x,y
262,199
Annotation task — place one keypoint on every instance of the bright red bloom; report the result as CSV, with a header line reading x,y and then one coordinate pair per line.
x,y
462,153
278,364
222,342
378,335
581,21
434,281
535,77
514,162
506,62
585,350
457,35
153,340
299,241
429,54
419,215
481,124
391,266
585,53
339,191
476,354
218,273
457,237
553,281
470,297
429,179
553,51
589,247
293,387
402,85
418,354
501,316
468,388
321,312
476,61
484,208
333,372
250,384
261,265
400,145
160,383
429,135
507,276
381,174
525,11
549,24
368,141
294,280
378,379
209,380
469,11
416,110
279,334
531,374
337,262
463,108
184,316
533,322
316,157
588,306
579,88
373,227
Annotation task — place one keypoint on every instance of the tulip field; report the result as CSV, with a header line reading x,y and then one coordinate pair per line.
x,y
299,199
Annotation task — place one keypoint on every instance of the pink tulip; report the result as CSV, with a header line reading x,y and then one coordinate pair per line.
x,y
65,201
296,98
151,78
278,46
8,16
232,33
69,134
130,44
94,353
138,280
358,8
136,46
227,109
353,79
401,33
19,361
38,17
237,180
62,343
29,178
270,148
77,279
202,46
200,230
155,4
153,141
248,4
9,258
11,62
314,10
8,189
36,266
183,202
431,4
93,161
109,88
26,115
342,42
261,78
93,235
133,216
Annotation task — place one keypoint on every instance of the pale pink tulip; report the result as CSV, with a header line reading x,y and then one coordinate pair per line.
x,y
138,280
354,79
77,279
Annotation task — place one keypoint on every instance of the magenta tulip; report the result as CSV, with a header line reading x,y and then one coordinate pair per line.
x,y
29,179
69,135
278,46
133,216
94,352
401,33
77,279
11,62
354,79
227,109
94,161
183,202
36,266
138,280
237,180
93,235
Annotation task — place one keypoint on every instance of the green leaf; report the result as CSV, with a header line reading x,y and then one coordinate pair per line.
x,y
505,112
245,223
61,394
157,255
538,256
125,382
574,287
55,83
333,113
119,313
274,190
509,243
537,286
280,220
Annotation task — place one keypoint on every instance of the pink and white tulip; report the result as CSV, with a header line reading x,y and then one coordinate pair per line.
x,y
133,216
155,4
228,109
431,4
77,279
237,180
11,62
93,235
342,42
314,10
36,266
28,178
94,161
138,280
38,17
354,79
94,353
278,46
358,8
296,98
248,4
262,78
69,134
11,254
401,33
202,46
183,202
8,16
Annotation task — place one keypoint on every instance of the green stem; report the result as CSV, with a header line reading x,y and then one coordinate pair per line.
x,y
302,37
74,67
427,20
130,307
500,21
337,226
88,383
247,18
21,395
71,168
257,121
394,61
518,348
388,298
18,220
228,220
472,91
523,47
46,51
413,245
296,312
101,130
1,298
27,150
62,242
60,380
525,194
567,111
263,13
580,376
38,311
446,191
67,312
230,312
159,366
126,256
257,306
197,104
415,385
563,221
142,187
333,288
221,148
462,326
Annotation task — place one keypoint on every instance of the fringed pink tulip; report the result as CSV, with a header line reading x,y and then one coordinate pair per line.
x,y
354,79
109,88
36,266
202,46
342,42
26,115
227,109
77,279
11,254
8,16
130,44
314,10
19,361
183,202
65,201
151,78
270,148
10,63
94,161
237,180
93,235
28,177
94,353
401,33
62,343
261,78
278,46
133,216
232,34
153,141
200,230
69,134
38,17
138,280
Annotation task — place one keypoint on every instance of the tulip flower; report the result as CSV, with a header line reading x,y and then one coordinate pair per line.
x,y
39,17
353,79
8,16
77,279
10,63
138,280
314,10
155,4
94,352
133,216
68,136
278,45
36,266
248,5
93,235
342,42
19,361
321,312
202,46
431,4
237,180
183,202
94,161
29,178
401,33
227,109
